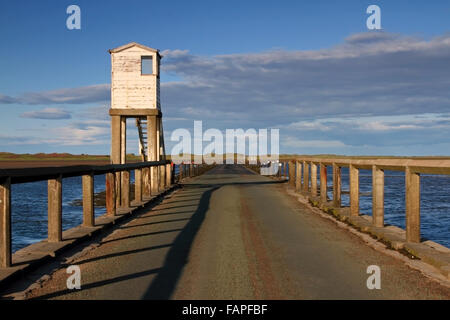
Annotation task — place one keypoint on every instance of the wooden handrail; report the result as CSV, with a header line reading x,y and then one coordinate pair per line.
x,y
151,178
44,173
117,193
427,166
305,181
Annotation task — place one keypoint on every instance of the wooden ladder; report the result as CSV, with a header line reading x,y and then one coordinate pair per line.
x,y
141,124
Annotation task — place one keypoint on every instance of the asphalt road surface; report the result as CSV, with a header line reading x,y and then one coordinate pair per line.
x,y
232,234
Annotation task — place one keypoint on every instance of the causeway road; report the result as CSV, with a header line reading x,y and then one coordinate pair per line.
x,y
233,234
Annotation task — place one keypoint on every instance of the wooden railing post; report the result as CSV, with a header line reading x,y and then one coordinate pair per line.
x,y
412,198
305,176
168,175
285,170
154,180
118,185
181,169
313,179
110,193
377,196
145,182
298,176
55,209
88,200
354,190
125,201
138,183
162,177
336,185
5,223
323,183
292,173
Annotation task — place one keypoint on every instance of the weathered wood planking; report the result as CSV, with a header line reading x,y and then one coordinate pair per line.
x,y
130,88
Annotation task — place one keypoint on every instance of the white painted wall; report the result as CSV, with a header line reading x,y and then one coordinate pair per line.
x,y
130,89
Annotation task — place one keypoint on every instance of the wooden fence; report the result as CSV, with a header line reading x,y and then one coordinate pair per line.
x,y
303,176
117,193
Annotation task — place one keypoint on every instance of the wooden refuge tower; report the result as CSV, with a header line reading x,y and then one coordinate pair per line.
x,y
135,94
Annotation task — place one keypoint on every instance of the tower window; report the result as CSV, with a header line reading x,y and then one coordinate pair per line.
x,y
147,65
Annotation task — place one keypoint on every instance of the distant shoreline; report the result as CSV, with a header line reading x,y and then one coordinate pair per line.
x,y
15,161
17,164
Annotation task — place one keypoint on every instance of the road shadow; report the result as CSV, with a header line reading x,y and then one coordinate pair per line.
x,y
98,284
163,286
166,278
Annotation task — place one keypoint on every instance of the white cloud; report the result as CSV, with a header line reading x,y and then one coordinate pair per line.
x,y
380,126
93,93
47,114
87,134
369,74
308,125
76,134
6,99
293,142
375,123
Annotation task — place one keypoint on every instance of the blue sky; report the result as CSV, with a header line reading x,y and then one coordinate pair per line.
x,y
310,68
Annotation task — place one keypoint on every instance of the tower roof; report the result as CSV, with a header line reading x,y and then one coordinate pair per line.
x,y
133,44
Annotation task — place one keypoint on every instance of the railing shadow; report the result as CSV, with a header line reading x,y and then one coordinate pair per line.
x,y
99,284
163,286
166,277
164,283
